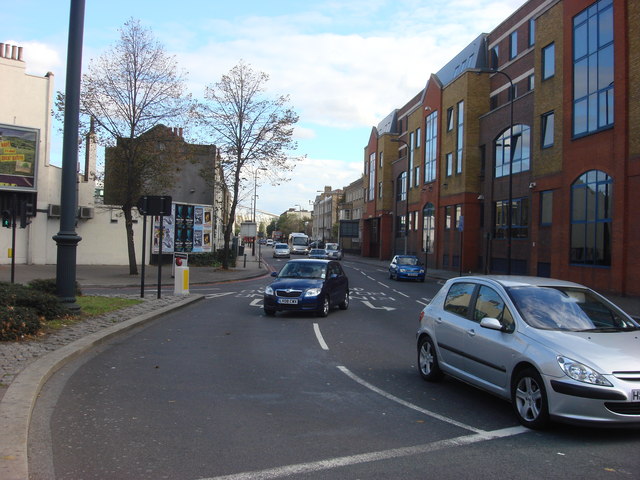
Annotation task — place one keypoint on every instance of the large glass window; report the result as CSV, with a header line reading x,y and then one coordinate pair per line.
x,y
519,218
449,161
513,45
591,200
593,68
372,176
505,152
546,130
431,144
401,187
428,227
548,61
460,137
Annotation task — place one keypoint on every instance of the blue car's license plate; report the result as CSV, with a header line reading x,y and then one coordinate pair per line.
x,y
288,301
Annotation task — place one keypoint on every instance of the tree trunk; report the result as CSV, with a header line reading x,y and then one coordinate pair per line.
x,y
128,222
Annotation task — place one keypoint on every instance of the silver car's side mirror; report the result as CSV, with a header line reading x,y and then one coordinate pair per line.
x,y
491,323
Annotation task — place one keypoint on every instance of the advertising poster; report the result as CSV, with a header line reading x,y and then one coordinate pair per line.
x,y
18,158
168,236
187,230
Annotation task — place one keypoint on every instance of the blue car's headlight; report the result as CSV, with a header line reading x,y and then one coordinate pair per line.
x,y
582,373
268,290
313,292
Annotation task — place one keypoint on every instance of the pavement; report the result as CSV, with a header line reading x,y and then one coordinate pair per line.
x,y
25,366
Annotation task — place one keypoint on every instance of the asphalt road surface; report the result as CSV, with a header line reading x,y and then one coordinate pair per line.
x,y
219,390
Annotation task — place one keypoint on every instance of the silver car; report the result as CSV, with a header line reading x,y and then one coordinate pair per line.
x,y
555,349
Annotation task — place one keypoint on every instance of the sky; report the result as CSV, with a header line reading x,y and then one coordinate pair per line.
x,y
345,64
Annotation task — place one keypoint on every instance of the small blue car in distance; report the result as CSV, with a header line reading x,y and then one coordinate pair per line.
x,y
406,267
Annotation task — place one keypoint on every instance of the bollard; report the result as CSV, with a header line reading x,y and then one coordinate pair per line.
x,y
181,285
245,260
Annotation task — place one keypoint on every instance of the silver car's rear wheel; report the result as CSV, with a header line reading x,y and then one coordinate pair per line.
x,y
529,399
428,360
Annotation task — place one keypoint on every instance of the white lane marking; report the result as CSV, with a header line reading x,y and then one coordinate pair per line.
x,y
338,462
385,286
370,305
220,294
403,294
393,398
422,303
323,344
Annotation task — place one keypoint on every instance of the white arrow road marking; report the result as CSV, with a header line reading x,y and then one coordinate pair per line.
x,y
368,304
256,302
323,344
215,295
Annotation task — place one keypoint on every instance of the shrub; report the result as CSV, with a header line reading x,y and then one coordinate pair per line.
x,y
48,285
16,322
42,304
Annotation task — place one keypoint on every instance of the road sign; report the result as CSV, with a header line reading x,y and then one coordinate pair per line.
x,y
154,205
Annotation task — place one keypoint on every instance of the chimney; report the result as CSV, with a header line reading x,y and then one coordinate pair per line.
x,y
180,130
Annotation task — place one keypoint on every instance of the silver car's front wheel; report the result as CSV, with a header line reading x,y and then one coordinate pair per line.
x,y
529,399
428,360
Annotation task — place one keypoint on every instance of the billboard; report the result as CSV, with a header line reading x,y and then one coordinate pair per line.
x,y
188,229
18,157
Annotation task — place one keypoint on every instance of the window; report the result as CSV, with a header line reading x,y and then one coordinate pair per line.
x,y
410,153
449,161
428,227
417,144
372,176
593,68
548,61
380,155
458,217
401,222
458,298
495,58
379,189
490,304
401,187
430,150
519,155
513,45
448,212
531,82
532,32
546,130
519,218
460,137
546,207
591,200
449,119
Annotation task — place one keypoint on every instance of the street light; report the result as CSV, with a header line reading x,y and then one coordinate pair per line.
x,y
321,202
406,200
255,197
512,149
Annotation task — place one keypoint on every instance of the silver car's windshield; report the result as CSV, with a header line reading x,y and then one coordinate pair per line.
x,y
302,270
568,309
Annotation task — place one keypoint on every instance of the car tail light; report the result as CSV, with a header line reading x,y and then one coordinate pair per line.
x,y
421,316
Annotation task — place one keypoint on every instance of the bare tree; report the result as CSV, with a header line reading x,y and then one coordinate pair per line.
x,y
252,130
129,90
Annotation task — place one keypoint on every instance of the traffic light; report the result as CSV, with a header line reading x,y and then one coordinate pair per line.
x,y
26,212
6,218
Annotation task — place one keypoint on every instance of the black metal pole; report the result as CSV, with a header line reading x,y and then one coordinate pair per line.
x,y
160,254
67,239
13,237
144,252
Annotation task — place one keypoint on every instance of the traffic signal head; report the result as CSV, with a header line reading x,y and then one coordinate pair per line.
x,y
6,218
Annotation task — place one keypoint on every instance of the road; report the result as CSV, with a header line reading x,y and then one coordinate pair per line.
x,y
219,390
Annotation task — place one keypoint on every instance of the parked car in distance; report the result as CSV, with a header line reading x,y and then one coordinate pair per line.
x,y
333,251
262,241
270,242
319,253
406,267
281,250
555,349
309,286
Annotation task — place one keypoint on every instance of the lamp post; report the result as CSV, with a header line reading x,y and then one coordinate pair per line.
x,y
255,196
512,145
406,200
321,203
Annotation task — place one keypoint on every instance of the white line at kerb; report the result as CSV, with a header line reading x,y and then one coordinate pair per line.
x,y
323,344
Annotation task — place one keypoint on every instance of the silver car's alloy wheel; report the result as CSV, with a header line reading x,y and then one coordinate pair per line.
x,y
530,399
428,360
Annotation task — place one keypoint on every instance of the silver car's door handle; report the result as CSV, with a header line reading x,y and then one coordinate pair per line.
x,y
439,320
471,332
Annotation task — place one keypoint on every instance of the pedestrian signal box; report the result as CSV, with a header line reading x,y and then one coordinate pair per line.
x,y
6,218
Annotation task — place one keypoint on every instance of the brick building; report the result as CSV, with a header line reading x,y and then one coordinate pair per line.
x,y
521,155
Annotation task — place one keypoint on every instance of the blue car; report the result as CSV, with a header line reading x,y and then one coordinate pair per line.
x,y
307,286
406,267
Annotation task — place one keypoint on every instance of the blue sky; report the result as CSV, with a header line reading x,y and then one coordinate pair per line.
x,y
345,63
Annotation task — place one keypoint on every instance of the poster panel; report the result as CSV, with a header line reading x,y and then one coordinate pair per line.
x,y
18,157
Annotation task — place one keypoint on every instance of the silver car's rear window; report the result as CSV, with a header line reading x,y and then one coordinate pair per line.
x,y
568,309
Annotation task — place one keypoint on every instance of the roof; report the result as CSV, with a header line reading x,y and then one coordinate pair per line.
x,y
524,281
472,56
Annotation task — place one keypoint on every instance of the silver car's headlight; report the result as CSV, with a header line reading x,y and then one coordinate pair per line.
x,y
580,372
313,292
268,291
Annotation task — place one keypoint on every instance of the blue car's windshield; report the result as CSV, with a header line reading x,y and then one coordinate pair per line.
x,y
569,309
407,261
302,270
